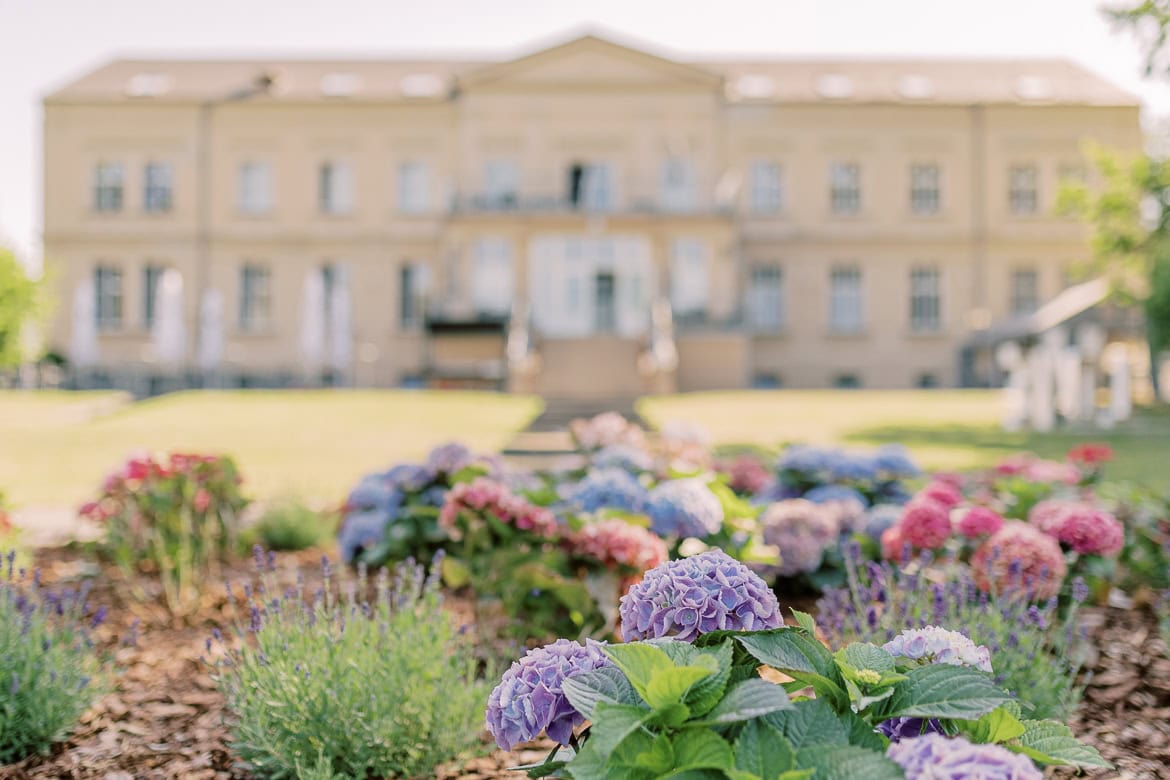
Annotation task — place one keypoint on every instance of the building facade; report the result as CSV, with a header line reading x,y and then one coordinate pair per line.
x,y
588,220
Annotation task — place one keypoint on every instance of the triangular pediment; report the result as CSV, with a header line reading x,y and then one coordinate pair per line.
x,y
591,61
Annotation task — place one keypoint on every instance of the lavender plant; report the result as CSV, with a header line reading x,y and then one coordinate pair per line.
x,y
1036,646
50,668
341,683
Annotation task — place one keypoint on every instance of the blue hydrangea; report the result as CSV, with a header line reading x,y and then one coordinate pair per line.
x,y
892,461
707,592
530,698
373,493
609,488
623,456
935,756
937,645
851,467
360,530
823,494
409,477
805,459
880,517
684,508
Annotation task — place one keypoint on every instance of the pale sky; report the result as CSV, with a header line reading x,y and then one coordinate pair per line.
x,y
44,43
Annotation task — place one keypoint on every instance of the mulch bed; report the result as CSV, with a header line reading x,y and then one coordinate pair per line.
x,y
165,718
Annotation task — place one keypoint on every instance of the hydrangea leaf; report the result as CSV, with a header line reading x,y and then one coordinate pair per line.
x,y
588,689
1049,742
811,722
639,661
944,691
997,726
805,621
707,693
762,751
614,723
848,763
657,757
702,749
670,686
861,732
862,655
795,653
455,572
747,700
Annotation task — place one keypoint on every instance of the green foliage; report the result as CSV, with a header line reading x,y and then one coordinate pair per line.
x,y
50,669
19,302
1148,20
290,524
350,686
177,518
673,709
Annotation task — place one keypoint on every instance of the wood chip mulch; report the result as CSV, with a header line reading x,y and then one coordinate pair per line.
x,y
165,717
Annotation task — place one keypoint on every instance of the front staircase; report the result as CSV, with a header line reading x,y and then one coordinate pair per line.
x,y
546,441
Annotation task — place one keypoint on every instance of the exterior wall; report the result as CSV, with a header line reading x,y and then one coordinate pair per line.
x,y
548,113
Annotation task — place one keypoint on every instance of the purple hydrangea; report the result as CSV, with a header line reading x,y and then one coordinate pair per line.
x,y
935,756
823,494
409,477
802,531
610,487
623,456
937,645
897,729
707,592
684,508
449,458
530,698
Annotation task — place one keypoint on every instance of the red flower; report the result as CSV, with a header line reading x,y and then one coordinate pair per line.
x,y
202,500
1090,454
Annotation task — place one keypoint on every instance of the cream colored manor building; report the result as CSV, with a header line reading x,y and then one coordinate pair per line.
x,y
590,219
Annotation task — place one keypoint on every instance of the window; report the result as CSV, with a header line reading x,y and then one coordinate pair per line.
x,y
107,285
847,382
925,304
688,278
156,193
335,188
926,381
924,189
845,315
591,186
492,276
1023,197
1025,291
765,192
107,187
765,303
255,297
151,275
765,380
678,185
254,193
501,182
414,187
410,295
845,188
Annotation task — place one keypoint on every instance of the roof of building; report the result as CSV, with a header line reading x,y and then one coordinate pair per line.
x,y
827,80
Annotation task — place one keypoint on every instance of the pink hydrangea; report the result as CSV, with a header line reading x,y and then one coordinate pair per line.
x,y
893,543
1091,531
942,492
1020,556
615,542
746,474
1049,515
979,521
605,430
926,524
486,496
1036,469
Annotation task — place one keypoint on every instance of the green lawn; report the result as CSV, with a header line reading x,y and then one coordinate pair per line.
x,y
55,447
944,429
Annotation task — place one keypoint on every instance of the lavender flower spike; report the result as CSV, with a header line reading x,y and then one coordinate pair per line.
x,y
707,592
530,698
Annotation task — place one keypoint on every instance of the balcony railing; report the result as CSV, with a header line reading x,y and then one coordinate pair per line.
x,y
516,203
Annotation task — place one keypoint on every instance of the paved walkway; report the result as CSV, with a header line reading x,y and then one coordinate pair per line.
x,y
546,442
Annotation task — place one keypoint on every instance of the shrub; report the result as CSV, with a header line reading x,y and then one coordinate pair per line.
x,y
344,684
700,707
176,517
290,525
1034,645
50,669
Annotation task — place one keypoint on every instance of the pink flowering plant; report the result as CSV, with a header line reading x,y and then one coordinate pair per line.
x,y
693,692
177,517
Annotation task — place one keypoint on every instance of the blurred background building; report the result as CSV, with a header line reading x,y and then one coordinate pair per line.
x,y
587,220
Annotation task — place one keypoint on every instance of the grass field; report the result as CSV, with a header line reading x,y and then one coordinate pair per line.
x,y
55,448
944,429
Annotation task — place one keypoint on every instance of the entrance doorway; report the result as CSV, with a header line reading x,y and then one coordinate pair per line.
x,y
604,308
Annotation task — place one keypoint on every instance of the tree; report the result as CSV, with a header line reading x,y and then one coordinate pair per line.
x,y
1149,22
1129,214
19,303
